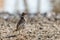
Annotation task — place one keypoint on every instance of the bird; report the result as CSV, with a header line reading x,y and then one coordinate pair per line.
x,y
21,21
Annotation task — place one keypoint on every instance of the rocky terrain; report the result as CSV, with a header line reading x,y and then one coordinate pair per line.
x,y
36,28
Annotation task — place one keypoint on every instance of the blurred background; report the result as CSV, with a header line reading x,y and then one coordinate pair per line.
x,y
30,6
1,5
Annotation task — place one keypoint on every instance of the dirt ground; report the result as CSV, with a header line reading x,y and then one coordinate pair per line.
x,y
36,28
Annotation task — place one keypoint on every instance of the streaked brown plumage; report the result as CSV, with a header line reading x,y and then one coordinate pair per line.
x,y
21,21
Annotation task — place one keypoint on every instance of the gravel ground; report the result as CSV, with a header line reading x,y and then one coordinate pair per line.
x,y
36,28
